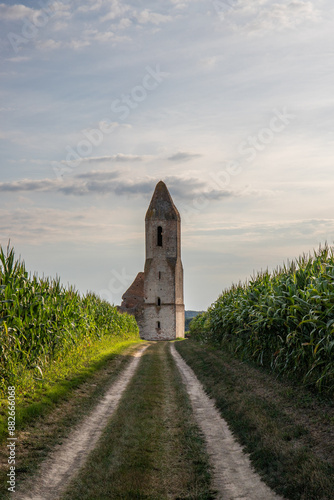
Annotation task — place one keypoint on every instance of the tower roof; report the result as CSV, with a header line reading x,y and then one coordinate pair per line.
x,y
162,206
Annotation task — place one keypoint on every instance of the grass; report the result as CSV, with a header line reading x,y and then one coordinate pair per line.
x,y
36,397
152,447
290,445
49,421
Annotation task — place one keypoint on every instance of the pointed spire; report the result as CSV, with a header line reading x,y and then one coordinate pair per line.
x,y
162,206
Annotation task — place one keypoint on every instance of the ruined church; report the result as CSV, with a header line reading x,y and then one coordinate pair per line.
x,y
156,295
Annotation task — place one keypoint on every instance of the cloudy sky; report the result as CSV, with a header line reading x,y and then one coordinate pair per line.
x,y
230,103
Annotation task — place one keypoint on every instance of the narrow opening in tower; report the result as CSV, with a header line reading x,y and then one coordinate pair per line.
x,y
158,325
158,301
159,237
159,275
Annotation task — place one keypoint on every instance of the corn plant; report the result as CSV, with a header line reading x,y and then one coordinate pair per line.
x,y
283,320
40,319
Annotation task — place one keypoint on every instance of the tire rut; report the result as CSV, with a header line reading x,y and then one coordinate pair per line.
x,y
233,476
65,461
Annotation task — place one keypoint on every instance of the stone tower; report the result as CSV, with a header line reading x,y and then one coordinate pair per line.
x,y
158,304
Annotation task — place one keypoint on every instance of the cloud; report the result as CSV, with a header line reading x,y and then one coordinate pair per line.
x,y
39,17
75,44
286,15
15,12
117,9
181,4
122,157
124,23
92,5
78,44
98,175
146,16
183,156
33,22
6,109
36,225
89,36
264,15
209,62
119,157
119,183
109,36
60,26
194,191
18,59
28,185
284,230
49,44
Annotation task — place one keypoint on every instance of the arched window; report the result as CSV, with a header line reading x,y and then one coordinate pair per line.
x,y
158,301
158,325
159,236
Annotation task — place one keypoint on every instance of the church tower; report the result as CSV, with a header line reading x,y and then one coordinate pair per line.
x,y
163,311
156,296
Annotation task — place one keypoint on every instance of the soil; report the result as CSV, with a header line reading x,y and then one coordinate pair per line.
x,y
66,459
234,478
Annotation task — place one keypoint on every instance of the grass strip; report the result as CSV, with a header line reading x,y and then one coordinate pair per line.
x,y
152,447
37,397
267,418
62,406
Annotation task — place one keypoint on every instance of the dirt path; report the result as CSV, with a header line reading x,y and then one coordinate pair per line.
x,y
152,447
234,479
66,460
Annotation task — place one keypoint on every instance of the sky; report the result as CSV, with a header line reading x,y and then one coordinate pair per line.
x,y
229,103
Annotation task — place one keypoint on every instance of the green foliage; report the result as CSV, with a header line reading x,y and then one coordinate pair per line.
x,y
189,315
283,320
41,321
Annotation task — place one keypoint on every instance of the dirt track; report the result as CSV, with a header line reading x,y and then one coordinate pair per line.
x,y
66,460
234,478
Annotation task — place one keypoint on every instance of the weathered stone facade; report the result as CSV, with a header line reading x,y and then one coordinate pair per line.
x,y
156,296
133,298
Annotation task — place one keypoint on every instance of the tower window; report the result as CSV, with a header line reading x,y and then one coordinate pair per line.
x,y
158,325
158,301
159,236
159,275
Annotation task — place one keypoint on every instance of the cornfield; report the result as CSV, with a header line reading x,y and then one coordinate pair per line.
x,y
282,320
39,319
